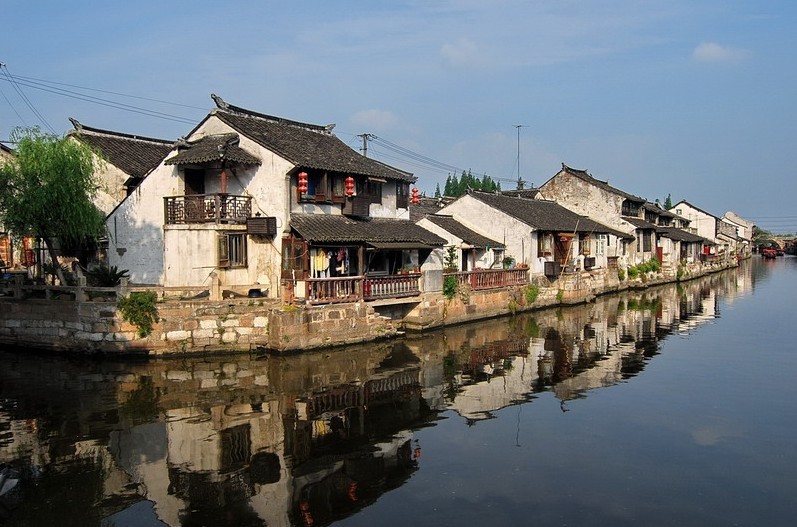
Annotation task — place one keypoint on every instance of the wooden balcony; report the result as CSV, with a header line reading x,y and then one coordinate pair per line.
x,y
333,290
207,208
354,288
491,278
391,286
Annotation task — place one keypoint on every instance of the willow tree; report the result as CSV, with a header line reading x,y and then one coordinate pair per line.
x,y
47,191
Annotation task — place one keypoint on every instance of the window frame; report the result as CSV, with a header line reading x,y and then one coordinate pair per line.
x,y
231,250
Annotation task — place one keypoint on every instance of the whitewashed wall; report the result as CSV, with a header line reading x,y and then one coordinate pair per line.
x,y
518,238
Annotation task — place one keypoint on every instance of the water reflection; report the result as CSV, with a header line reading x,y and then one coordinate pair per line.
x,y
306,439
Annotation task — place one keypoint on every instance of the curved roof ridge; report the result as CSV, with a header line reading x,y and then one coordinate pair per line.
x,y
224,106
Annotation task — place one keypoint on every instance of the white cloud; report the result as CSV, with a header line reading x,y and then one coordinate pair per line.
x,y
374,119
713,52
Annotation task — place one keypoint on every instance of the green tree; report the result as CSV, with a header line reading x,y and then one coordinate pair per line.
x,y
668,202
437,191
46,191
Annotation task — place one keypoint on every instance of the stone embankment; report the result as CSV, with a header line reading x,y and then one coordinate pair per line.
x,y
73,323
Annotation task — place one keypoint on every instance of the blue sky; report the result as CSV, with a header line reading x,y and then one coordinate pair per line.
x,y
693,98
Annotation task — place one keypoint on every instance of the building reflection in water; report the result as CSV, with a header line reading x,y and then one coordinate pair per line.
x,y
305,439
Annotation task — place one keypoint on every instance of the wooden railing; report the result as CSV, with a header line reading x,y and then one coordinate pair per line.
x,y
353,288
391,286
207,208
491,278
333,290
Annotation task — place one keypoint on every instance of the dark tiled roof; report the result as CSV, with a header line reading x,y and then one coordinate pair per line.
x,y
305,145
426,206
544,215
654,207
681,236
209,149
640,223
134,155
463,233
320,228
586,176
530,193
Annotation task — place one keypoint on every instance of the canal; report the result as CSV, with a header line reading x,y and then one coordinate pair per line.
x,y
670,406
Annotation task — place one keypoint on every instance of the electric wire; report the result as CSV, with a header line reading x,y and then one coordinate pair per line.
x,y
24,97
45,82
109,103
22,119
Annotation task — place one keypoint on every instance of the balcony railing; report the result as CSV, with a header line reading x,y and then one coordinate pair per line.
x,y
207,208
391,286
354,288
333,290
491,278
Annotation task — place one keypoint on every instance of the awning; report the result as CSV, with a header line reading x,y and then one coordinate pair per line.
x,y
399,245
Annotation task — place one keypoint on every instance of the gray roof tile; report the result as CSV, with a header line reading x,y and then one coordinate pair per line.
x,y
134,155
305,145
544,215
463,233
320,228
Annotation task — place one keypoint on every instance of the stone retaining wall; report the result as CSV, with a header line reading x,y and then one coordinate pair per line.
x,y
245,324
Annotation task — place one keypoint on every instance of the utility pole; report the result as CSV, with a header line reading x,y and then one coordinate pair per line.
x,y
519,181
365,138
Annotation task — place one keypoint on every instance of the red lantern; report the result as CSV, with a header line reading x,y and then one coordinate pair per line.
x,y
302,182
415,199
349,183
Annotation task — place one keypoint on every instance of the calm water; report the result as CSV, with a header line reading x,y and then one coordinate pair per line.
x,y
673,406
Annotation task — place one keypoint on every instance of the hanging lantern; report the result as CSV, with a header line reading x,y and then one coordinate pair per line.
x,y
302,182
349,184
415,198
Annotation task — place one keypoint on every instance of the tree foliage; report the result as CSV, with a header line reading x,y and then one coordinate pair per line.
x,y
455,187
47,190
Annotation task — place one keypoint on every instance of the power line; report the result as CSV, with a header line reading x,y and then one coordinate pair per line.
x,y
415,159
15,80
54,83
24,97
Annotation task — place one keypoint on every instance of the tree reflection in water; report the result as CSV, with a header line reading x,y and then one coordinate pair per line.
x,y
306,439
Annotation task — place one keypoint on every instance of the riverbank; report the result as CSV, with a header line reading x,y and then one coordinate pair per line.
x,y
88,321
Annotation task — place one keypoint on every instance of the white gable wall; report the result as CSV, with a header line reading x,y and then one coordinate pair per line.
x,y
135,228
519,238
185,255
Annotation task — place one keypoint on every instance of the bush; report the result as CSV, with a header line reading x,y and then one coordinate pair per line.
x,y
139,309
450,287
531,292
104,276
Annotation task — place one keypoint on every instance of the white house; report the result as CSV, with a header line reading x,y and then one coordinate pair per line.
x,y
536,231
248,200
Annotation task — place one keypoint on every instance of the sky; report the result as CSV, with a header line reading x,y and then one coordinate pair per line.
x,y
695,99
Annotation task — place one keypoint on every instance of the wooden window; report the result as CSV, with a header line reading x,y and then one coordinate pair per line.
x,y
370,189
232,249
318,190
402,195
630,208
646,241
339,189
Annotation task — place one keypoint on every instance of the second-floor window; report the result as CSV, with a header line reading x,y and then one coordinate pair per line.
x,y
402,195
630,208
370,189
